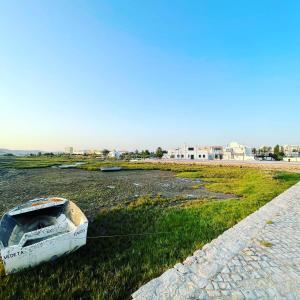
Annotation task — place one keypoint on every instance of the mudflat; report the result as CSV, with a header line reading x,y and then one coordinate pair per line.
x,y
93,190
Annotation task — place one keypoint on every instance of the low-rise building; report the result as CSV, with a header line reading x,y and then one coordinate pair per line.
x,y
233,151
81,152
291,150
236,151
217,152
69,150
116,154
196,152
88,152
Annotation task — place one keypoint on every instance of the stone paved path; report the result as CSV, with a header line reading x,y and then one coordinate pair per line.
x,y
259,258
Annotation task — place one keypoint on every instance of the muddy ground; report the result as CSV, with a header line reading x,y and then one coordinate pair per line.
x,y
93,190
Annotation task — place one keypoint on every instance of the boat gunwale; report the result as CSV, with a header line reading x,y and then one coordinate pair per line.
x,y
35,205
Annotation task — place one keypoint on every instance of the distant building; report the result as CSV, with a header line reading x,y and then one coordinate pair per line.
x,y
116,154
195,152
235,151
91,151
69,150
291,153
81,152
217,152
87,152
98,152
291,150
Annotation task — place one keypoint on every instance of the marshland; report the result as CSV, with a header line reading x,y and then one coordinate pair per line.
x,y
179,208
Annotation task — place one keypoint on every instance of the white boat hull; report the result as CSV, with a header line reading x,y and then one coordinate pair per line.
x,y
48,243
17,258
110,169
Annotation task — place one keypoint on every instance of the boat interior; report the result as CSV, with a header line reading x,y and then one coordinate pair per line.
x,y
31,227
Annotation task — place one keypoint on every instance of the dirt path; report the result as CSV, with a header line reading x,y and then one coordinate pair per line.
x,y
266,165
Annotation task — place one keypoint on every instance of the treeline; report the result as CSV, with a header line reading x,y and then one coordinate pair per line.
x,y
276,153
105,154
34,154
143,154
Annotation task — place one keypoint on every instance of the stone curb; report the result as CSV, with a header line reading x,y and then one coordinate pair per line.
x,y
186,280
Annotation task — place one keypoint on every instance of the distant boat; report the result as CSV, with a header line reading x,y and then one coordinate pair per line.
x,y
40,230
71,166
67,166
110,169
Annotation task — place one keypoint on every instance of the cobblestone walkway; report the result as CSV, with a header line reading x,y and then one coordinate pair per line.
x,y
259,258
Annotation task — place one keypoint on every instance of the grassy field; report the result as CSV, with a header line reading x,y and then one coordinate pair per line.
x,y
35,161
112,268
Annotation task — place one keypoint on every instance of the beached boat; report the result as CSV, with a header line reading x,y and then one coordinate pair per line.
x,y
40,230
110,169
71,166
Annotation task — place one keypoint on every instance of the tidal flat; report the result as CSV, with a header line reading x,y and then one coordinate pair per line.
x,y
183,207
93,190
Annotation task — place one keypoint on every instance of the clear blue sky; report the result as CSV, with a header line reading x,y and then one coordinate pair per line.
x,y
140,74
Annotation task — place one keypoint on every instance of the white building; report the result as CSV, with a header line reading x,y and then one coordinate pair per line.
x,y
217,152
69,150
116,154
291,150
88,152
93,151
235,151
81,152
98,152
196,152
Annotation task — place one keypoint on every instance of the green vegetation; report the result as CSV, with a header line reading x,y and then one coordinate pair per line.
x,y
105,152
269,222
265,243
43,161
159,152
114,267
278,153
290,178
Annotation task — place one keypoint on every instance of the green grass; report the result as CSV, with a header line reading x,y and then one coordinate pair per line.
x,y
265,243
112,268
35,162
